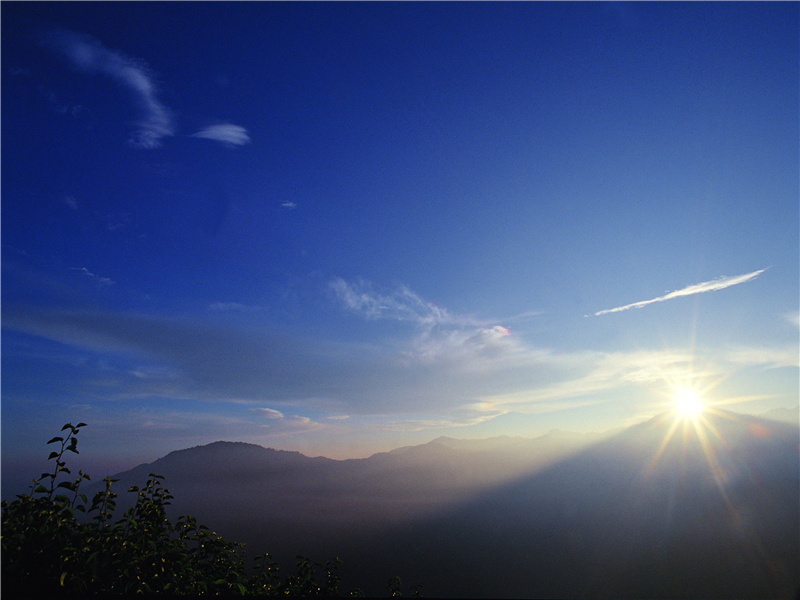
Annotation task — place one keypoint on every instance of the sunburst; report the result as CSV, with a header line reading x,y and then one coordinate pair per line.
x,y
689,403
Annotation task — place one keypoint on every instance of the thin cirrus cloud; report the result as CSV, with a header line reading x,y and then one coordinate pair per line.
x,y
233,307
91,56
100,281
697,288
227,133
70,201
401,304
157,123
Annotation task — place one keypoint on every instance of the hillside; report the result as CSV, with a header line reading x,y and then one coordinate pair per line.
x,y
560,515
625,520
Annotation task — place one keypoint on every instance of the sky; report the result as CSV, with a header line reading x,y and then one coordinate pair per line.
x,y
343,228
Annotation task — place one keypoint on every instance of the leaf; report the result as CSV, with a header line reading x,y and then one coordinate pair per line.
x,y
56,439
52,455
67,426
81,424
61,579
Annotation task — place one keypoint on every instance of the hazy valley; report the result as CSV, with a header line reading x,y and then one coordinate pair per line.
x,y
660,509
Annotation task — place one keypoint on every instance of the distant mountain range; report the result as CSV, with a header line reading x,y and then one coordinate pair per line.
x,y
658,510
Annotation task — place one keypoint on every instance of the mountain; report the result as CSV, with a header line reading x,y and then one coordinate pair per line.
x,y
289,504
707,513
658,510
789,415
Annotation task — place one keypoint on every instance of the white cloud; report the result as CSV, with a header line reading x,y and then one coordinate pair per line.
x,y
289,204
100,281
768,357
269,413
469,349
91,56
698,288
227,133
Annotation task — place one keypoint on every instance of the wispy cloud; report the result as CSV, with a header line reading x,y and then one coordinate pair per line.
x,y
282,425
233,307
227,133
400,304
698,288
100,281
70,201
91,56
770,358
459,372
289,204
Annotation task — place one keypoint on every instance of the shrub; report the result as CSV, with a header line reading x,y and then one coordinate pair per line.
x,y
48,551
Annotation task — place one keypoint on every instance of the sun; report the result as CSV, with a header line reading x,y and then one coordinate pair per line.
x,y
688,403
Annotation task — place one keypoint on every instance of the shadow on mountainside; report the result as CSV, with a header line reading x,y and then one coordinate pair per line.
x,y
718,519
630,516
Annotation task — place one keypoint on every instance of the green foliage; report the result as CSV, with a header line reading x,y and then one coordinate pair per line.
x,y
48,551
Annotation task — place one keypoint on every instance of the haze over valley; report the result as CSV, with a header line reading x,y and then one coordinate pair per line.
x,y
665,509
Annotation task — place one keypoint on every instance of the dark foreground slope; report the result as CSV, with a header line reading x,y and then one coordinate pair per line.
x,y
646,513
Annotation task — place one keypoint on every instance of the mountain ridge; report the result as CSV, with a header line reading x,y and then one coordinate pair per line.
x,y
781,415
543,521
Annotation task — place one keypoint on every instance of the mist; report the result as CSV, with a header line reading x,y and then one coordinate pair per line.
x,y
655,510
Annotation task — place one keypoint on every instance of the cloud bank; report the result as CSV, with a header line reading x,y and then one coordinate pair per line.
x,y
447,371
698,288
91,56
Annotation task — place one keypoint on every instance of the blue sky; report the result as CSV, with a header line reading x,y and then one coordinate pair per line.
x,y
341,228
